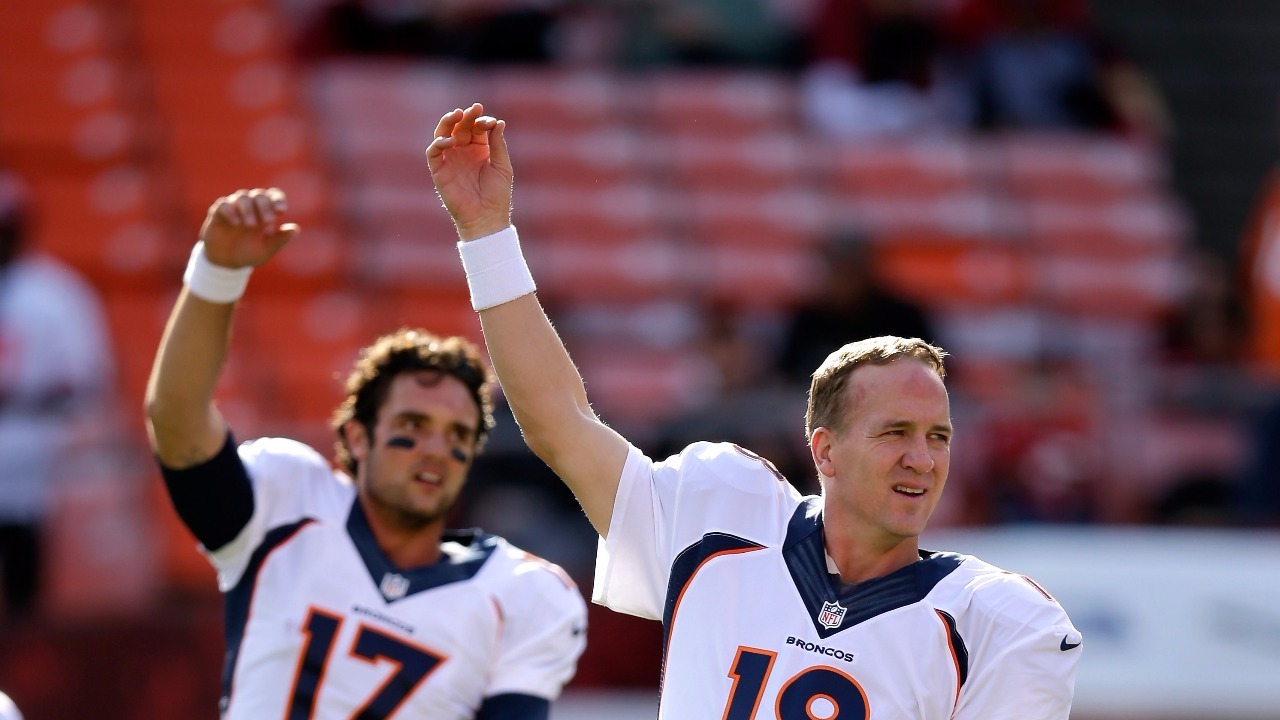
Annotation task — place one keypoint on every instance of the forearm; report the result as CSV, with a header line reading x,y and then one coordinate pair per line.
x,y
549,402
472,172
539,380
184,426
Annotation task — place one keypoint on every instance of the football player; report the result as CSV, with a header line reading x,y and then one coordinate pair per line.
x,y
775,605
345,595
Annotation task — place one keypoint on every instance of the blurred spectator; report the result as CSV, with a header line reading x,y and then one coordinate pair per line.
x,y
1209,325
761,33
1044,65
1201,398
746,401
1043,452
849,303
55,369
487,31
1197,501
874,69
514,494
1260,278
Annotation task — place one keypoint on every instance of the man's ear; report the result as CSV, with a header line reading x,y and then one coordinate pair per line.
x,y
357,439
820,448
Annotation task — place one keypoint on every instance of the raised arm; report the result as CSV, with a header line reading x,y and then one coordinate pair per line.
x,y
240,232
473,176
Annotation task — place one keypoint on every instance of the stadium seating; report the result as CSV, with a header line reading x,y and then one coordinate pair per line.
x,y
640,195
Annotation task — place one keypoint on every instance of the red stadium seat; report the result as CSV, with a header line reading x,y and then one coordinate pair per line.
x,y
1125,283
641,386
601,156
786,217
565,101
762,162
715,103
606,212
615,267
1149,220
1078,168
901,168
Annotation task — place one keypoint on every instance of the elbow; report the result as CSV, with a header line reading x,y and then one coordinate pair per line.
x,y
551,438
155,408
542,444
152,408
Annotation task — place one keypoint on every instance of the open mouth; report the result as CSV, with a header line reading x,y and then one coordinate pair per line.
x,y
908,491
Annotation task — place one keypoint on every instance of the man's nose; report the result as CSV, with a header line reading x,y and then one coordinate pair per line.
x,y
917,457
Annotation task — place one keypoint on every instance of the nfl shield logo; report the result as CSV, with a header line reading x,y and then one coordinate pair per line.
x,y
831,616
394,587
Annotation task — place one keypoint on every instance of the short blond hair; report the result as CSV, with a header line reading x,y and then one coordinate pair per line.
x,y
827,389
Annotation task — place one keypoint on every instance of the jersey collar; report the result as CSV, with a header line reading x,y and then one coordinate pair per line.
x,y
833,608
396,583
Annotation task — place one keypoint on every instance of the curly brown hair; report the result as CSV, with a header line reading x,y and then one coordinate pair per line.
x,y
403,351
826,392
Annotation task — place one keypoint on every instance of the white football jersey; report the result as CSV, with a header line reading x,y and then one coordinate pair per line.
x,y
730,557
320,625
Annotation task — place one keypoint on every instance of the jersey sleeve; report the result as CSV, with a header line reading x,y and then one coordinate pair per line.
x,y
1023,658
544,624
289,481
663,508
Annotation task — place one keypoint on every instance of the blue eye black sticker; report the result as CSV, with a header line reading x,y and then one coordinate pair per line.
x,y
404,443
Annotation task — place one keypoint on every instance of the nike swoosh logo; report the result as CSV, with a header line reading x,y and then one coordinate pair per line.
x,y
1065,646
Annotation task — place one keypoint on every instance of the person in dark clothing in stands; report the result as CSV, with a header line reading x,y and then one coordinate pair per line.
x,y
849,304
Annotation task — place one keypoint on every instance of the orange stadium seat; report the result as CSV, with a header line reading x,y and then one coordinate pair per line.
x,y
944,271
41,30
229,92
444,312
299,347
65,115
207,32
107,226
136,320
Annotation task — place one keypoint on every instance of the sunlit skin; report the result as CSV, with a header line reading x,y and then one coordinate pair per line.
x,y
883,473
408,488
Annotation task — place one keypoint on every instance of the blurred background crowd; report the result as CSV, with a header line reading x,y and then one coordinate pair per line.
x,y
1074,200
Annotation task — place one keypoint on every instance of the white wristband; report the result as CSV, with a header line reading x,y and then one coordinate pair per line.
x,y
496,270
214,283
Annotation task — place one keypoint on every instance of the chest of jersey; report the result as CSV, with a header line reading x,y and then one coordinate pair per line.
x,y
742,645
320,639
